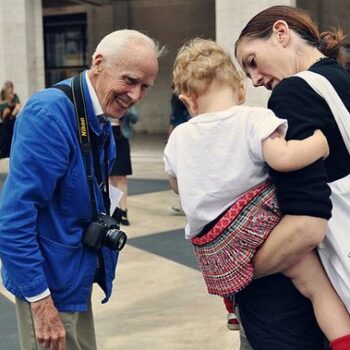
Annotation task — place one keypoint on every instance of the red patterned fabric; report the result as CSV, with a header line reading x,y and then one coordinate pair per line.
x,y
225,253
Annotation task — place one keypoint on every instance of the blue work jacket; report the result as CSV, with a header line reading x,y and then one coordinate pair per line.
x,y
45,204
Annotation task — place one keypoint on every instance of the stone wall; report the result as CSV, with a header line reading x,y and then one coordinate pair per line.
x,y
231,17
21,57
170,22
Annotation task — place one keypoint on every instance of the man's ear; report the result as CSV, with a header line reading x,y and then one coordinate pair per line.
x,y
190,102
97,64
281,31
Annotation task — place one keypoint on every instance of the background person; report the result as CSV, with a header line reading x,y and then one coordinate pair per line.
x,y
9,108
122,132
45,206
178,115
276,44
14,101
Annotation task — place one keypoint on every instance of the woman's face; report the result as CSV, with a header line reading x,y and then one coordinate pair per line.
x,y
265,61
9,94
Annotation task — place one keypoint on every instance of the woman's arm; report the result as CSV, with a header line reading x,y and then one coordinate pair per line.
x,y
285,156
303,195
289,241
16,109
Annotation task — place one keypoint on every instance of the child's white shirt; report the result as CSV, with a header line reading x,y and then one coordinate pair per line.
x,y
216,157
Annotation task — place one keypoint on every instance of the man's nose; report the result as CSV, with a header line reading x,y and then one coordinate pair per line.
x,y
135,93
257,79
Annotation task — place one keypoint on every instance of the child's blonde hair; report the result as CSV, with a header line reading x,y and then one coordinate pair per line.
x,y
198,63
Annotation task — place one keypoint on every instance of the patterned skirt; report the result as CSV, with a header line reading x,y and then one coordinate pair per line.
x,y
225,253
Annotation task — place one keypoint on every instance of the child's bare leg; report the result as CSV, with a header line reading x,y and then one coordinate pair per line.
x,y
232,321
311,280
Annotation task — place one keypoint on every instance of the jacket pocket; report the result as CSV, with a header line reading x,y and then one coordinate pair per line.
x,y
61,263
74,196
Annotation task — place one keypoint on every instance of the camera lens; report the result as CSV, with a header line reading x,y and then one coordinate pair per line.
x,y
115,239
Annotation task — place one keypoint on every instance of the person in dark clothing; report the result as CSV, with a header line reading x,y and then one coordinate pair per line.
x,y
179,113
276,44
9,108
122,132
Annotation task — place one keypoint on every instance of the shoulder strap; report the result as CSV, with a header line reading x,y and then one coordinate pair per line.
x,y
66,89
325,89
76,96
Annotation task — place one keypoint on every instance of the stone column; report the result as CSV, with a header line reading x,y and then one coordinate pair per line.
x,y
231,17
21,42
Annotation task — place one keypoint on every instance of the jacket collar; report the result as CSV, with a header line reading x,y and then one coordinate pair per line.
x,y
92,107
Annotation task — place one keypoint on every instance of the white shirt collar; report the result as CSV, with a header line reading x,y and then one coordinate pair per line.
x,y
94,99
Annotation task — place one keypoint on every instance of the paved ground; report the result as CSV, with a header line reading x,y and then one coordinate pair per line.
x,y
159,300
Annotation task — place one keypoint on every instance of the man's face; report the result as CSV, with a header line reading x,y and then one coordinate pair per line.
x,y
123,81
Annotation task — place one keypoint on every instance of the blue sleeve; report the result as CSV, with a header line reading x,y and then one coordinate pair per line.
x,y
40,156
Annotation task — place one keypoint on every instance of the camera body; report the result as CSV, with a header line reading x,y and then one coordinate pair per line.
x,y
104,231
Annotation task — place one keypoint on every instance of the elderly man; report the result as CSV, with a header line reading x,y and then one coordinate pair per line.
x,y
45,207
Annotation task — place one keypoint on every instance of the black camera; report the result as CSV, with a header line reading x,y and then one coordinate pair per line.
x,y
105,232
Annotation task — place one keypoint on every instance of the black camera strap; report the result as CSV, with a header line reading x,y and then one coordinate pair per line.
x,y
103,183
84,136
75,94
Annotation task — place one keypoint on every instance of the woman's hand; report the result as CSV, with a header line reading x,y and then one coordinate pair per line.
x,y
320,135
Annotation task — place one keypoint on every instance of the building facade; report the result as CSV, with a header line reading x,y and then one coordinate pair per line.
x,y
45,41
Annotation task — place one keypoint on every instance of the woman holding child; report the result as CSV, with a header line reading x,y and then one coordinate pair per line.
x,y
276,44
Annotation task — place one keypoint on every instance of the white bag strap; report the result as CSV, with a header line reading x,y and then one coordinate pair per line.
x,y
325,89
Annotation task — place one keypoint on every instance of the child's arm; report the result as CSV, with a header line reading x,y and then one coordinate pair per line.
x,y
285,156
173,184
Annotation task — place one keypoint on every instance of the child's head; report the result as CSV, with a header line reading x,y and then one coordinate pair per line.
x,y
200,63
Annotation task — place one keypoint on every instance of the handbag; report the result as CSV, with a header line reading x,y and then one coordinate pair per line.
x,y
334,250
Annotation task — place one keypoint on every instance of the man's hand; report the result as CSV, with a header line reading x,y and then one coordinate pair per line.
x,y
49,329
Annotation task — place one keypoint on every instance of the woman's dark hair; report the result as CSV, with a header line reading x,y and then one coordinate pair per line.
x,y
260,26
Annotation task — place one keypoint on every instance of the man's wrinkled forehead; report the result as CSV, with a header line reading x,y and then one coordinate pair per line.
x,y
140,59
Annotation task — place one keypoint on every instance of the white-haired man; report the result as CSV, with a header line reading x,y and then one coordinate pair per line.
x,y
46,205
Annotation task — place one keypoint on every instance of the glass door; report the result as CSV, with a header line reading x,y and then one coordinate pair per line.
x,y
65,46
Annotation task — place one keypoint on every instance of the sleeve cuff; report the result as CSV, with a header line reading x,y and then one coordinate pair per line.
x,y
38,297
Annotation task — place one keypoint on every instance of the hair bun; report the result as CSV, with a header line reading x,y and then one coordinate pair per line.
x,y
331,44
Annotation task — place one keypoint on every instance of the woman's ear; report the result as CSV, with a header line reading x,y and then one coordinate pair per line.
x,y
191,103
281,31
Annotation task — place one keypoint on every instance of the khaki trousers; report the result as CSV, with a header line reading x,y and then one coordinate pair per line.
x,y
79,326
